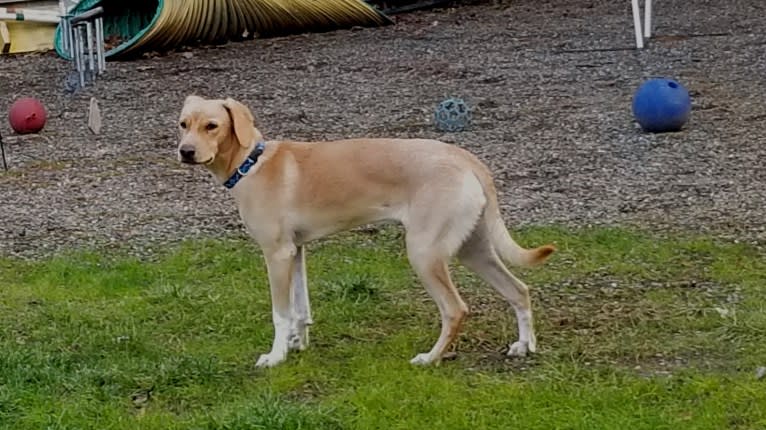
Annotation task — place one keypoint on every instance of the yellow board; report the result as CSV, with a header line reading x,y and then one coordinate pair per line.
x,y
5,38
26,36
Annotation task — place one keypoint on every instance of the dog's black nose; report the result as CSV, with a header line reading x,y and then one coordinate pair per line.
x,y
187,152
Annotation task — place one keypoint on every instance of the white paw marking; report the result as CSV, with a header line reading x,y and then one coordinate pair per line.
x,y
422,359
532,344
298,339
518,349
294,342
270,360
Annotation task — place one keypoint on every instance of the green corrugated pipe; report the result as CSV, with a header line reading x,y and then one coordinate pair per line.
x,y
159,25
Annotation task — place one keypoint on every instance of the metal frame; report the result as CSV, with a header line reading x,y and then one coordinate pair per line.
x,y
83,39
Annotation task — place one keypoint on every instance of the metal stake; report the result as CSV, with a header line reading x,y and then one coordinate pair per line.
x,y
2,149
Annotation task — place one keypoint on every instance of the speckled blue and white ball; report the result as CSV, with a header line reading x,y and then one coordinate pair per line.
x,y
452,114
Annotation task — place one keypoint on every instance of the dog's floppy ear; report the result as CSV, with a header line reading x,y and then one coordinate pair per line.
x,y
242,121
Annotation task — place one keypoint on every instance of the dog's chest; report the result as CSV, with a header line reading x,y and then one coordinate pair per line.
x,y
259,216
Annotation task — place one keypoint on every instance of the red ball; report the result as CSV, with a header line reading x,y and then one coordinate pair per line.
x,y
27,115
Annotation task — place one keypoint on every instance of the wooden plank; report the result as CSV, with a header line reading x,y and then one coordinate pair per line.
x,y
5,38
27,36
20,36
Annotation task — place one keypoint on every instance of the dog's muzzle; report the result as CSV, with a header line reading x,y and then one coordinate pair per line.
x,y
187,154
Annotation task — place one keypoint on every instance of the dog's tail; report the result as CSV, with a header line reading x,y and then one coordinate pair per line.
x,y
510,251
507,248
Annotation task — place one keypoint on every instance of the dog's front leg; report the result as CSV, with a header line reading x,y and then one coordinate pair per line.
x,y
299,333
279,261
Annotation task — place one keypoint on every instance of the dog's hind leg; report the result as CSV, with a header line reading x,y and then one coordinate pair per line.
x,y
434,273
436,228
299,332
478,254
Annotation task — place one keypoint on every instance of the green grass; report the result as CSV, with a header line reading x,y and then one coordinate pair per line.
x,y
634,332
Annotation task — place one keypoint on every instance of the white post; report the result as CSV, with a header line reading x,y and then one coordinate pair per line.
x,y
648,19
637,25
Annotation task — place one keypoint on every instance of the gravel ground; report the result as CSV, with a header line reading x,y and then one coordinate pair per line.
x,y
551,83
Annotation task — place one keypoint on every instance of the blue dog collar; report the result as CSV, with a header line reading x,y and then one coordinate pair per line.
x,y
245,167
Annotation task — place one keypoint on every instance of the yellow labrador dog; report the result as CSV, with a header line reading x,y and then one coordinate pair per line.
x,y
289,193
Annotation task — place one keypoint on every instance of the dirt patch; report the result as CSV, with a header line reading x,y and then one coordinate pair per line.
x,y
551,83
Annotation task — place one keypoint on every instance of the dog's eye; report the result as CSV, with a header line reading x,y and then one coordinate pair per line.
x,y
211,126
183,124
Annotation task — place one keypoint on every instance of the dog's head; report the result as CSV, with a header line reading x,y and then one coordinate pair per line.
x,y
212,129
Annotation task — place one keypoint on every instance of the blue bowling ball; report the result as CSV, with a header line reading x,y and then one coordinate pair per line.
x,y
661,105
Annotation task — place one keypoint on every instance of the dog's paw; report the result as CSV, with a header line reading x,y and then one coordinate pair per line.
x,y
298,340
532,345
422,359
518,349
270,360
